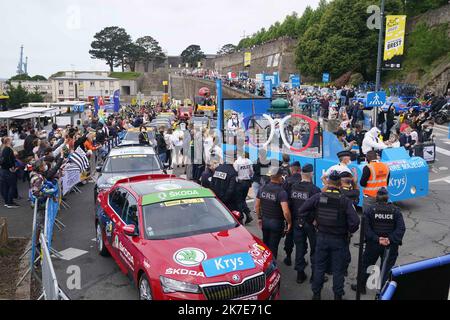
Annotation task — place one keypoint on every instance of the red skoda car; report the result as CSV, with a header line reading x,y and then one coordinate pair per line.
x,y
177,241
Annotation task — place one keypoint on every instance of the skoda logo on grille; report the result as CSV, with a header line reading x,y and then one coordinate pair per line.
x,y
236,278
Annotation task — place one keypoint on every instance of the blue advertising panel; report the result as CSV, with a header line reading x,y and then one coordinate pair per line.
x,y
244,108
326,78
276,77
268,87
295,80
227,264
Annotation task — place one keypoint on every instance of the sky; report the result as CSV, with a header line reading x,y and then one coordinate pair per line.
x,y
57,34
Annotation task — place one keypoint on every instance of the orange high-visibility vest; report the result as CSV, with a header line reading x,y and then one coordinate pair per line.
x,y
379,173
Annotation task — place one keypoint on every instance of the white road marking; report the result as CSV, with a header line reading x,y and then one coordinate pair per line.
x,y
443,169
443,151
440,180
71,253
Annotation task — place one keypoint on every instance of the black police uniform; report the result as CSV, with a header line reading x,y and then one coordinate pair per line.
x,y
273,222
223,184
303,230
354,196
289,241
335,217
382,220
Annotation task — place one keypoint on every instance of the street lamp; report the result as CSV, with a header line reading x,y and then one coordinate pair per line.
x,y
379,60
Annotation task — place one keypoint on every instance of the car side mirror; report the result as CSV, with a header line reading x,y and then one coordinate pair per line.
x,y
130,230
98,169
237,215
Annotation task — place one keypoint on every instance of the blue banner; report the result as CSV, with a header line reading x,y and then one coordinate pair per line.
x,y
219,104
96,106
326,78
227,264
116,101
52,208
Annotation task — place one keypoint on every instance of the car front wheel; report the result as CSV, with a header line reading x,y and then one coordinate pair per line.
x,y
100,243
145,293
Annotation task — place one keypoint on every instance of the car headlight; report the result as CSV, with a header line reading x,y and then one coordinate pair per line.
x,y
272,267
171,286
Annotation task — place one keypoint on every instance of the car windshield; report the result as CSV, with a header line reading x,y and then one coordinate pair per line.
x,y
185,218
134,136
132,163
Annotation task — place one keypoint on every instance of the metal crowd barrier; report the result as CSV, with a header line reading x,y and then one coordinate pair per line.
x,y
51,290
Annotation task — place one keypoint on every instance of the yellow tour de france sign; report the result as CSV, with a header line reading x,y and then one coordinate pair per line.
x,y
247,59
395,37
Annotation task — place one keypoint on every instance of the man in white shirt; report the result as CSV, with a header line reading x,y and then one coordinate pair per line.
x,y
176,140
244,168
372,142
344,160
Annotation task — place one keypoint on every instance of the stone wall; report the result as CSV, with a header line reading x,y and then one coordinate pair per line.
x,y
187,87
438,80
432,18
274,56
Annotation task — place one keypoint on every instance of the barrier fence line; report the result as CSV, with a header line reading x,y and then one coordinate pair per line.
x,y
51,290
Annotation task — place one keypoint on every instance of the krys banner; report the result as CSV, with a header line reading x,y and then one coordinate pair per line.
x,y
394,46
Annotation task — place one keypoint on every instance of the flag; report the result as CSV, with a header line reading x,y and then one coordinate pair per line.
x,y
79,159
96,106
116,99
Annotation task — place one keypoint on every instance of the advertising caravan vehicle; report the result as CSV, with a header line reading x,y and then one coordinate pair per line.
x,y
305,141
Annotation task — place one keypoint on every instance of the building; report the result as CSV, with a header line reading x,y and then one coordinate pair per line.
x,y
74,85
3,86
42,87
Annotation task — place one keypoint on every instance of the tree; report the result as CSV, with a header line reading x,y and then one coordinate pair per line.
x,y
227,49
38,78
192,55
17,96
20,77
134,54
151,51
110,45
35,96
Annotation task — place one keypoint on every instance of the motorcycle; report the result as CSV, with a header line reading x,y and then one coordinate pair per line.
x,y
442,116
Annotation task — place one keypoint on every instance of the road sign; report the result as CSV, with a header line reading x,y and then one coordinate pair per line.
x,y
376,99
295,80
326,78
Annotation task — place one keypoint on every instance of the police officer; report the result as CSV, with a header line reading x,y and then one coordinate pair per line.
x,y
385,228
272,210
299,192
335,217
296,176
224,185
244,168
349,188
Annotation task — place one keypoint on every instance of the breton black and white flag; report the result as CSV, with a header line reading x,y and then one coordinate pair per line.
x,y
79,159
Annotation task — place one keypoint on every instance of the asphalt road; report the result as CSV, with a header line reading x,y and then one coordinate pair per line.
x,y
427,221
